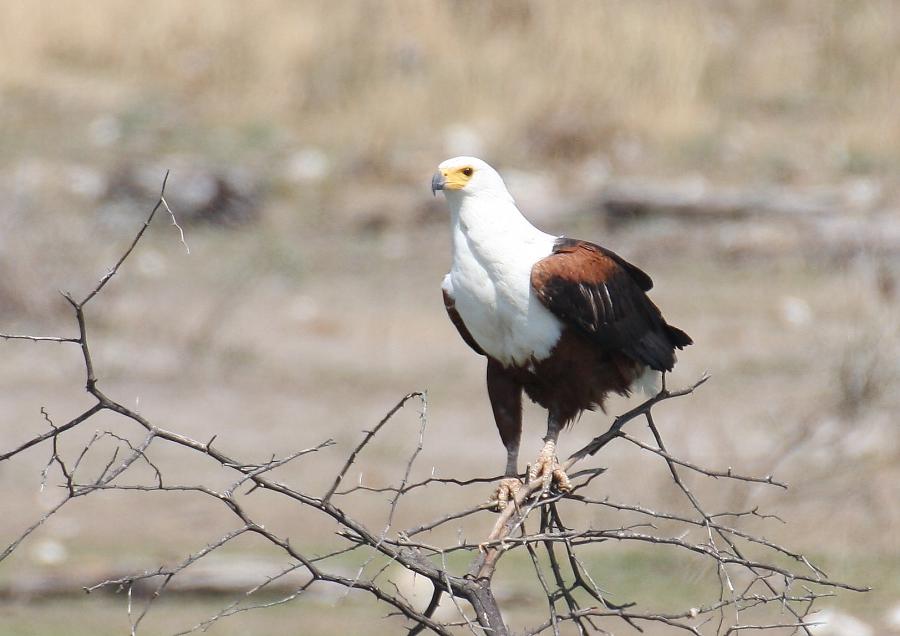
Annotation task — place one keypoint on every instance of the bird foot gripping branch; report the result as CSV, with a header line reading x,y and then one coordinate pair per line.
x,y
548,469
507,490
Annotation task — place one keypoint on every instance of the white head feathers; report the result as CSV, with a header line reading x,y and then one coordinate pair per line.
x,y
461,177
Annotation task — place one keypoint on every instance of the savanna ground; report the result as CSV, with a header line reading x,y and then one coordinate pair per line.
x,y
312,318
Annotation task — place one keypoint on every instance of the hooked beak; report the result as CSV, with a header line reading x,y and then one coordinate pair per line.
x,y
437,183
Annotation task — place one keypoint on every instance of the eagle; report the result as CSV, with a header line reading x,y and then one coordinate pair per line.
x,y
563,320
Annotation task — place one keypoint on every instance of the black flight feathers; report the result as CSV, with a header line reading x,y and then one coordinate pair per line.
x,y
603,295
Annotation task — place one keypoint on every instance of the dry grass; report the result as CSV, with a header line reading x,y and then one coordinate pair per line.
x,y
690,82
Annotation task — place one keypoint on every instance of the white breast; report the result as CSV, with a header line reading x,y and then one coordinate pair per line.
x,y
490,282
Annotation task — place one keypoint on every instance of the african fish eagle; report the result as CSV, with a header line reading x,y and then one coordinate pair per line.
x,y
567,321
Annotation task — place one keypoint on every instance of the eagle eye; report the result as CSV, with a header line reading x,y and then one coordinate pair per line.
x,y
467,171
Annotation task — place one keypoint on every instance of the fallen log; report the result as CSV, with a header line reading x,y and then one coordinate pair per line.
x,y
695,199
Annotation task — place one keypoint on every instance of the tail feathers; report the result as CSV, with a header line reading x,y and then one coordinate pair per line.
x,y
678,337
656,349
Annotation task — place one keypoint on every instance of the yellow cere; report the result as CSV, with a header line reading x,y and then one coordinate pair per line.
x,y
457,178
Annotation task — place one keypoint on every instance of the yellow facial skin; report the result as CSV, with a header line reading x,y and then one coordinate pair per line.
x,y
457,178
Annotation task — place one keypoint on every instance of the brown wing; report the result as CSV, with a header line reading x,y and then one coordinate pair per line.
x,y
602,294
457,321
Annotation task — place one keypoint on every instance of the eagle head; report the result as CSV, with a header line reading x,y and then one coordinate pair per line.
x,y
467,176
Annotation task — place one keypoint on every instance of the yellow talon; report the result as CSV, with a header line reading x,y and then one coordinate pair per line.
x,y
507,490
548,470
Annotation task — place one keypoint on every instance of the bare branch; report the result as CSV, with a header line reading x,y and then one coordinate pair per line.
x,y
9,336
368,437
115,268
55,432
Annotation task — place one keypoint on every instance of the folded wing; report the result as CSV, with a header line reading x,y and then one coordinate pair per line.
x,y
455,318
598,292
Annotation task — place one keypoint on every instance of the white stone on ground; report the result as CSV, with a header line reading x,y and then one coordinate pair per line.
x,y
831,622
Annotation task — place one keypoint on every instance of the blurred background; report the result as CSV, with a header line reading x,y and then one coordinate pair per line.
x,y
744,153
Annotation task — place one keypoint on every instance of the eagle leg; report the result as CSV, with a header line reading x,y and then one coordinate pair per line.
x,y
506,401
546,467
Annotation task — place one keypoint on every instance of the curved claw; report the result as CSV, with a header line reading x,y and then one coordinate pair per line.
x,y
548,470
506,491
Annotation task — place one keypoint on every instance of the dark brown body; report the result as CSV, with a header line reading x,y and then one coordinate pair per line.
x,y
576,377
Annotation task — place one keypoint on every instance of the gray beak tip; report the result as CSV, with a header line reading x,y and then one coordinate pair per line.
x,y
437,183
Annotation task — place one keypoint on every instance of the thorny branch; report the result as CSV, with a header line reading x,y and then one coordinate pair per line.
x,y
750,572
